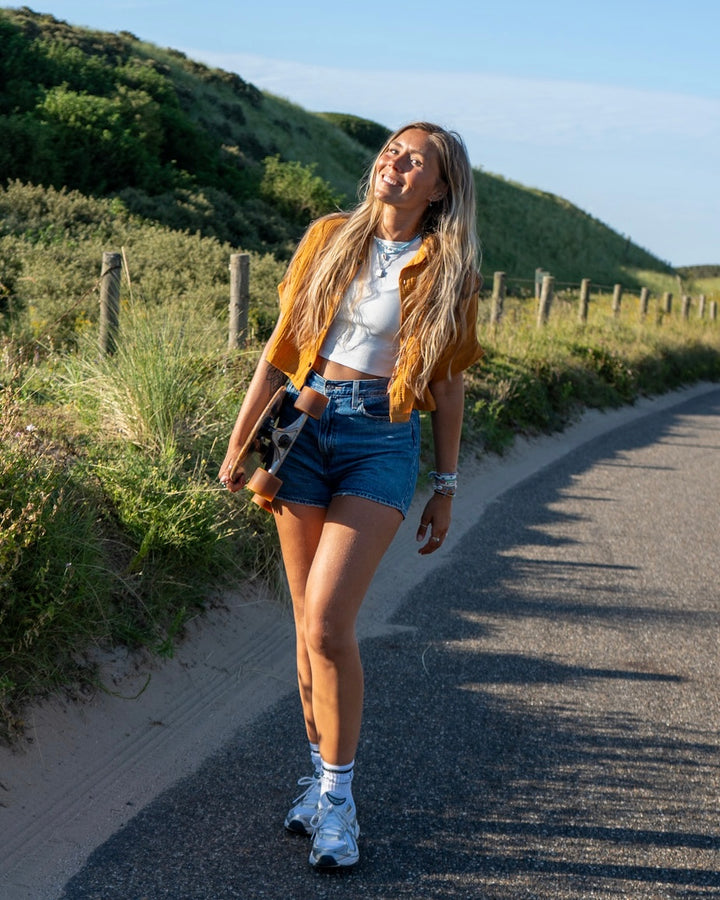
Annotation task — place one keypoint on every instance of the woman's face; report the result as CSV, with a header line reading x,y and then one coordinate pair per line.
x,y
407,173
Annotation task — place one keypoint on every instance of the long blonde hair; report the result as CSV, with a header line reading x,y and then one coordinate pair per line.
x,y
436,318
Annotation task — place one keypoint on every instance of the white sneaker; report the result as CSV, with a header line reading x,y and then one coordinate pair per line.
x,y
304,807
335,833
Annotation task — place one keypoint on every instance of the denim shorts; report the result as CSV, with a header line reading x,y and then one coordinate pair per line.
x,y
353,449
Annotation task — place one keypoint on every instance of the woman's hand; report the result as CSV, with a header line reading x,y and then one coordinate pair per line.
x,y
435,521
237,483
446,420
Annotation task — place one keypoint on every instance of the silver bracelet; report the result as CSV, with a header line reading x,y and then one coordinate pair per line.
x,y
444,483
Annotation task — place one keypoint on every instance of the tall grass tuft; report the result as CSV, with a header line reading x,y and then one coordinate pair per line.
x,y
160,409
152,391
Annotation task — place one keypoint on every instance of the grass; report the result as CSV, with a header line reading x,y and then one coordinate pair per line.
x,y
557,236
114,529
536,380
710,287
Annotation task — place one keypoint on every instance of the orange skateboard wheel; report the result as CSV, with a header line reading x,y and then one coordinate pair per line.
x,y
264,483
311,402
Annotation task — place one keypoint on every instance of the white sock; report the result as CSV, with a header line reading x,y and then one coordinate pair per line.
x,y
316,759
337,780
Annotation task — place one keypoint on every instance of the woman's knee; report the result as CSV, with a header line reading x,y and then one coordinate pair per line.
x,y
329,640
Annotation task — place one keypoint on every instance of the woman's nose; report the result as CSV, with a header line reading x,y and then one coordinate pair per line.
x,y
399,162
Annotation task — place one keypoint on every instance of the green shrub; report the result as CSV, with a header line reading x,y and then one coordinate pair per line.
x,y
52,578
167,508
366,132
296,190
103,541
51,246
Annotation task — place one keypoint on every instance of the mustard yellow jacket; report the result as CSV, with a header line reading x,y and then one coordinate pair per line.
x,y
296,362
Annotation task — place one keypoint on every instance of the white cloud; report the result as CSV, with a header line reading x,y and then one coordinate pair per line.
x,y
555,111
613,151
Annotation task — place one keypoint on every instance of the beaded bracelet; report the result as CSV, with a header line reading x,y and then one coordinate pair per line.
x,y
444,483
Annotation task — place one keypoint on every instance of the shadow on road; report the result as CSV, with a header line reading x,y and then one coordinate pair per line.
x,y
545,728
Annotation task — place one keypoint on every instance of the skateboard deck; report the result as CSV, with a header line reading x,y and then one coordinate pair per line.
x,y
272,443
265,420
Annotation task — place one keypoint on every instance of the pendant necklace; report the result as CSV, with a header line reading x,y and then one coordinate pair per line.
x,y
387,252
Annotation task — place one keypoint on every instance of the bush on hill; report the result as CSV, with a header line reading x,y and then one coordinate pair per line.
x,y
370,134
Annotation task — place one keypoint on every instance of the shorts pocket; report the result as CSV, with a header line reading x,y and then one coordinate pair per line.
x,y
375,407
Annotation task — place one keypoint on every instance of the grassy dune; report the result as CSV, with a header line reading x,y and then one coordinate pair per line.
x,y
113,529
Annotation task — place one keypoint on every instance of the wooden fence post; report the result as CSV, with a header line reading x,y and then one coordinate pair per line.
x,y
702,300
644,298
667,303
546,297
539,275
713,310
110,275
498,298
617,299
686,304
584,300
239,299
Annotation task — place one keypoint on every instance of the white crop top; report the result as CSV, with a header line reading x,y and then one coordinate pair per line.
x,y
364,333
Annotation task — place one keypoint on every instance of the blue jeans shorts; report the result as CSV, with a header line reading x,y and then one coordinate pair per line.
x,y
353,449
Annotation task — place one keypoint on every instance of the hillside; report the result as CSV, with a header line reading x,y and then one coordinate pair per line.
x,y
201,150
113,528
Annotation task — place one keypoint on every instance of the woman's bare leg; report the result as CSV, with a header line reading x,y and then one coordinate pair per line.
x,y
330,558
300,528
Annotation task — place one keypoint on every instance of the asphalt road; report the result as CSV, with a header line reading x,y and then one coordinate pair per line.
x,y
545,727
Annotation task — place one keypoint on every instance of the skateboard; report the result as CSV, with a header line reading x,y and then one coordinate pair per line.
x,y
272,443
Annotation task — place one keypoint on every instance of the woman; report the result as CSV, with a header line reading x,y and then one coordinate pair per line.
x,y
377,311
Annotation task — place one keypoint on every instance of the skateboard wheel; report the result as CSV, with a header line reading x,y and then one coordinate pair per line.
x,y
311,402
262,502
264,484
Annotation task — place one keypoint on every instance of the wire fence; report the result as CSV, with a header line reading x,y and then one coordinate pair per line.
x,y
545,289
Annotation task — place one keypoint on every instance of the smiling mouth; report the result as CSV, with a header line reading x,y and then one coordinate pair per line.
x,y
388,180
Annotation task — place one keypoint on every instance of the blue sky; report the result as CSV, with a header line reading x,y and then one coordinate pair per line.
x,y
614,106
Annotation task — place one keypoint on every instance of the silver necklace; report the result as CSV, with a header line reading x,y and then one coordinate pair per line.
x,y
387,252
